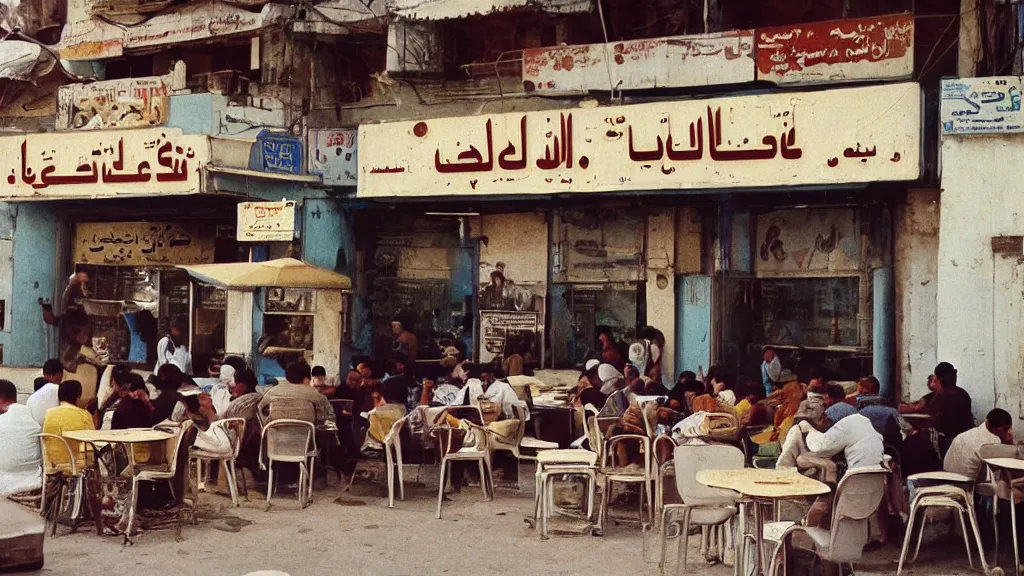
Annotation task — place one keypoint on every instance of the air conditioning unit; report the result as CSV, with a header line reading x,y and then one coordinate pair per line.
x,y
414,47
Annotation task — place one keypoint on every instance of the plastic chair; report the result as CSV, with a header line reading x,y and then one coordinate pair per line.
x,y
551,463
518,442
990,489
157,475
73,483
288,440
235,426
664,469
393,458
953,491
856,499
480,453
610,474
702,505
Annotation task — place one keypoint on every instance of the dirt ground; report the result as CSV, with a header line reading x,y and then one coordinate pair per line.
x,y
361,535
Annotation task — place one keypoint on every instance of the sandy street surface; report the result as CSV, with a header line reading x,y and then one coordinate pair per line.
x,y
475,537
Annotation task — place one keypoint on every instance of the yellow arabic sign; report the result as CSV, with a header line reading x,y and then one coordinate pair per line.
x,y
142,243
102,164
785,139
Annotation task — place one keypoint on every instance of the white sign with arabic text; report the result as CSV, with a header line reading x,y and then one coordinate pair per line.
x,y
266,221
981,105
864,134
332,155
102,163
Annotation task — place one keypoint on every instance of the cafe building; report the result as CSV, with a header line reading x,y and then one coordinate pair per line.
x,y
728,223
130,208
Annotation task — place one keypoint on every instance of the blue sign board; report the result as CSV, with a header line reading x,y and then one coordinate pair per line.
x,y
280,153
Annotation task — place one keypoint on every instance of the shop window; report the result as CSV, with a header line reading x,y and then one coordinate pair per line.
x,y
208,320
811,312
287,321
581,310
131,307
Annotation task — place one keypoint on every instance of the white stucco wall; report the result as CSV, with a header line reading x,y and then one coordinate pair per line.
x,y
980,326
916,256
661,275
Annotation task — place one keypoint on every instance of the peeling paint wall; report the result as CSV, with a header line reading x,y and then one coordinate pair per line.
x,y
916,256
661,278
689,243
520,241
981,294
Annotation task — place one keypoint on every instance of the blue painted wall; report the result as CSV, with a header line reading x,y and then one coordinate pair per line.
x,y
739,248
35,262
328,241
883,336
693,323
192,113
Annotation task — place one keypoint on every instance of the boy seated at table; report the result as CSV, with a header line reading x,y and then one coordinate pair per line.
x,y
66,417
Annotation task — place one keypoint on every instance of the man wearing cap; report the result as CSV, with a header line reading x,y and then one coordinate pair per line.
x,y
771,368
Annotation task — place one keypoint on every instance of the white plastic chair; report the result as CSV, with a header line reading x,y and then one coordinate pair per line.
x,y
288,440
551,463
516,444
663,469
480,453
235,427
154,475
393,458
702,505
955,492
856,499
990,489
74,482
610,474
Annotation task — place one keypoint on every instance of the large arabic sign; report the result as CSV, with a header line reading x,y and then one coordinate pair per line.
x,y
86,38
828,137
141,243
102,164
837,51
679,61
332,155
126,103
981,105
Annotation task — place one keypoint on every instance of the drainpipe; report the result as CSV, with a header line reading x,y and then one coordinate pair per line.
x,y
883,340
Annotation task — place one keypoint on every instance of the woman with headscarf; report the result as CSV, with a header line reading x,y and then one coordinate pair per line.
x,y
611,379
221,393
647,356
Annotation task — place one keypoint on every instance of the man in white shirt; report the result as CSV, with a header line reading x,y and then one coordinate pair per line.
x,y
854,435
46,397
20,462
171,349
964,454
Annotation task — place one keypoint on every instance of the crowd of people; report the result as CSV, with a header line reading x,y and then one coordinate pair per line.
x,y
814,426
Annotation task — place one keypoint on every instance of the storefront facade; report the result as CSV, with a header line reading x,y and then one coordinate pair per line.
x,y
129,208
676,214
979,301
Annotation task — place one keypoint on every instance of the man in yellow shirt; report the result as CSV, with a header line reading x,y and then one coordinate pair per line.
x,y
66,417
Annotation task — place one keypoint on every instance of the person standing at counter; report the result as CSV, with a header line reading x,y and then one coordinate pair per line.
x,y
171,349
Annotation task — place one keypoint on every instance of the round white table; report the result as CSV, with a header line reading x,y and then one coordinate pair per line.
x,y
758,485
